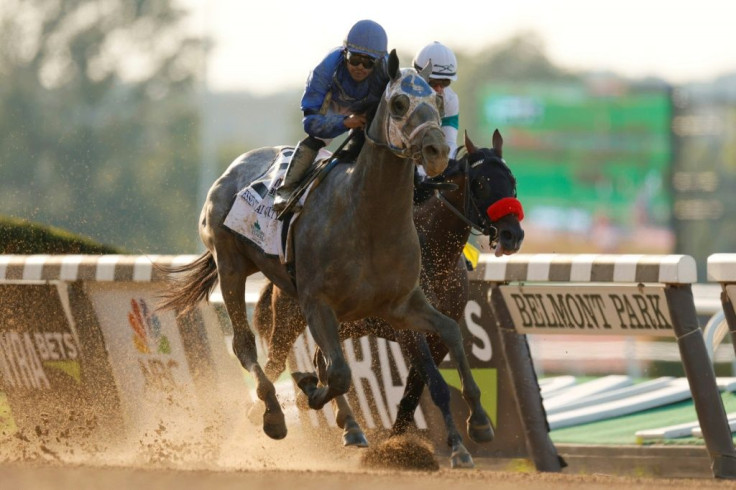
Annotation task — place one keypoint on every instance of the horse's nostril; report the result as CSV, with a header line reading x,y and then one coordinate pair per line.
x,y
511,239
436,150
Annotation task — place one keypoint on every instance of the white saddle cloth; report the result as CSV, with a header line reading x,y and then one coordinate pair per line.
x,y
252,214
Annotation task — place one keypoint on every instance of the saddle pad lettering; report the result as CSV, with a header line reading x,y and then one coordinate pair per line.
x,y
252,214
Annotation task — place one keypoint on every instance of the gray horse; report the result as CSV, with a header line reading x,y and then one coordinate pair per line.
x,y
356,251
484,200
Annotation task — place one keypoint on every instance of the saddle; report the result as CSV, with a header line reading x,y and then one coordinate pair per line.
x,y
314,177
252,216
347,152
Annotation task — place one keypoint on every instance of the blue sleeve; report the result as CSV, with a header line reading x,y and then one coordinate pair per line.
x,y
318,86
326,126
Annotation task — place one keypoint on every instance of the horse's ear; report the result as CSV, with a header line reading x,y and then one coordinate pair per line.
x,y
498,143
426,71
469,144
393,65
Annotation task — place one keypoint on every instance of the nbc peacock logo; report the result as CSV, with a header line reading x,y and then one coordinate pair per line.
x,y
147,336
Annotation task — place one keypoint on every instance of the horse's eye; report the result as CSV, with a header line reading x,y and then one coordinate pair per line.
x,y
483,184
441,105
399,105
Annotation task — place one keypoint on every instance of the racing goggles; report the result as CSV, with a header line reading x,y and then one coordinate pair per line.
x,y
356,59
439,82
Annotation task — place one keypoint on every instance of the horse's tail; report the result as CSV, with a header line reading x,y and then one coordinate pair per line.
x,y
188,284
262,313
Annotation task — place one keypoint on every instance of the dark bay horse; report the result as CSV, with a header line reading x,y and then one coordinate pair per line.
x,y
484,200
356,250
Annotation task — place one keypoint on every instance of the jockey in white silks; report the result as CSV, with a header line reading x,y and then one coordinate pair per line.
x,y
444,71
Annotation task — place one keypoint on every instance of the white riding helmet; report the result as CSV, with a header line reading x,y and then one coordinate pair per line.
x,y
444,63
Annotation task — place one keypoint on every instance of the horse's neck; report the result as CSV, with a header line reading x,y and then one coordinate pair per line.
x,y
385,184
443,229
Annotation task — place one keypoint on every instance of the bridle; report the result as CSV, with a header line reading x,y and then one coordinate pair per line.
x,y
483,228
407,132
486,226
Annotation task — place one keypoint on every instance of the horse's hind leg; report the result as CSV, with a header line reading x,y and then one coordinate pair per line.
x,y
277,317
352,434
232,272
423,364
415,382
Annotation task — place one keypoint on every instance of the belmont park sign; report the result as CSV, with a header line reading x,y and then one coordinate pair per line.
x,y
589,309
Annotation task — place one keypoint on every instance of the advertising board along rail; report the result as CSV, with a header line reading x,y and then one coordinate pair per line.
x,y
610,294
83,330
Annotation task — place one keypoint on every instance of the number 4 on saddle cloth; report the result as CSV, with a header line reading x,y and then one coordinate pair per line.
x,y
252,214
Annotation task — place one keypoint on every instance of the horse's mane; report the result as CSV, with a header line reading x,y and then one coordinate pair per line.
x,y
369,115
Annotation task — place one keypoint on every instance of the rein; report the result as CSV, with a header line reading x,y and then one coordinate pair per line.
x,y
484,228
399,152
407,140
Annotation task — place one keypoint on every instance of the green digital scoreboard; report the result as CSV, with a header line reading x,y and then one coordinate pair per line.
x,y
585,155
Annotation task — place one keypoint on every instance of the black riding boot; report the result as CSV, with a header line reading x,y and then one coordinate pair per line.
x,y
304,154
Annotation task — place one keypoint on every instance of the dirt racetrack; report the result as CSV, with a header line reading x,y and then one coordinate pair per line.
x,y
38,477
255,462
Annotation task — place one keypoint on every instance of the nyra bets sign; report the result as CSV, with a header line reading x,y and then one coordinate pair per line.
x,y
617,310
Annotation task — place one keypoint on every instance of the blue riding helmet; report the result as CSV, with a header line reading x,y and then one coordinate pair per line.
x,y
367,37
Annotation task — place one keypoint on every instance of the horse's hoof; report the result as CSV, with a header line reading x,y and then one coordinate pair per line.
x,y
255,411
306,382
402,425
461,459
480,432
354,438
274,425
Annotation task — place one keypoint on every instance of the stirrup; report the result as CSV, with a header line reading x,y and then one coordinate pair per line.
x,y
280,204
284,206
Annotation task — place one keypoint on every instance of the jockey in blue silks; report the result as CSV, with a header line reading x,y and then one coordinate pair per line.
x,y
341,90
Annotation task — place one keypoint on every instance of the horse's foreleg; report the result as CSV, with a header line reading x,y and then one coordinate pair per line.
x,y
409,402
232,285
420,315
415,344
352,434
413,390
336,381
